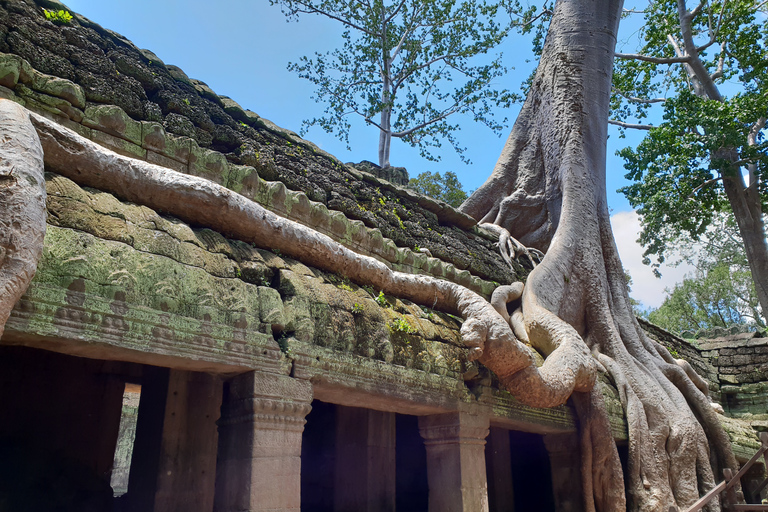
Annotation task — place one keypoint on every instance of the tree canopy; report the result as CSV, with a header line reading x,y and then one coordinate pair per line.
x,y
406,66
707,69
720,291
445,187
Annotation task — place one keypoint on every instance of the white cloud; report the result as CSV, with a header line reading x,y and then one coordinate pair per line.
x,y
646,287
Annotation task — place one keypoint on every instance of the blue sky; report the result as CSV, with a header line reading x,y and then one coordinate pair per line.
x,y
241,48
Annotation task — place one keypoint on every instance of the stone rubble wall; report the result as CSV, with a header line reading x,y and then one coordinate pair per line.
x,y
741,361
736,367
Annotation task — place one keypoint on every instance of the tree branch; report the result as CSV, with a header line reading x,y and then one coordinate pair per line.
x,y
406,33
706,183
695,12
410,72
392,16
434,120
311,9
630,125
639,100
721,61
706,86
533,20
654,60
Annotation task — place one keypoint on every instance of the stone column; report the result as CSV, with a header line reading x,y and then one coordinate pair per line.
x,y
173,466
259,466
187,469
365,460
565,464
455,444
498,465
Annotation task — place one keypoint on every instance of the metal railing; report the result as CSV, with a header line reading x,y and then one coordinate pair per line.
x,y
727,488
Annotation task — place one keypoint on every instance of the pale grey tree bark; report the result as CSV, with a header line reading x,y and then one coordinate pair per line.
x,y
548,191
22,205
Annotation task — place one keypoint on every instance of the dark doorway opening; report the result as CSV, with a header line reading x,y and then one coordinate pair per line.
x,y
531,473
318,458
411,479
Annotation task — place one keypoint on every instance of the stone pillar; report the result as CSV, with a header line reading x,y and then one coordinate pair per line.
x,y
187,471
365,460
455,444
259,466
565,464
498,464
173,466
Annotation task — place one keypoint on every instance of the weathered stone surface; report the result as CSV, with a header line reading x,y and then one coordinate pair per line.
x,y
114,121
259,456
456,461
60,88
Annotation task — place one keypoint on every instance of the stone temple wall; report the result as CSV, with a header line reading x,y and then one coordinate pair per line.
x,y
741,361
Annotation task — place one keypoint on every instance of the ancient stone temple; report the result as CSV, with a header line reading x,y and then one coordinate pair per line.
x,y
166,357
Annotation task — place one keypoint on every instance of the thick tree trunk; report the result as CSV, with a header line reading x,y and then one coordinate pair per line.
x,y
747,210
22,205
548,191
385,138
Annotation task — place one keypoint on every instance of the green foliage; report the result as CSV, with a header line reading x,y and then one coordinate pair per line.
x,y
400,324
381,300
282,342
60,17
444,187
679,168
405,66
720,292
357,309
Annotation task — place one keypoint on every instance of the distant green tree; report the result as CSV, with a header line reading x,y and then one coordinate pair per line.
x,y
446,187
705,64
407,65
720,292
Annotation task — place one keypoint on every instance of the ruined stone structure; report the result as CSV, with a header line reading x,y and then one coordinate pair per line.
x,y
265,383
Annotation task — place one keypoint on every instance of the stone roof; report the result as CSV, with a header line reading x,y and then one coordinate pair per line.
x,y
130,93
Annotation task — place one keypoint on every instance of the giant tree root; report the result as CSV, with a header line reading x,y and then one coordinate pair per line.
x,y
196,200
22,205
548,191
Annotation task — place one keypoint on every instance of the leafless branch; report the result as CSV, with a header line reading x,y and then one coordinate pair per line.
x,y
706,183
720,62
635,99
630,125
654,60
535,19
698,9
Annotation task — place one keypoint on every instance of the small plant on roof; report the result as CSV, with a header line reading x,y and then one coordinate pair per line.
x,y
400,324
60,17
381,300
